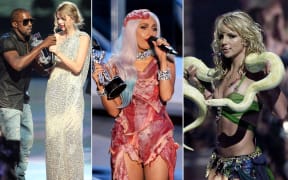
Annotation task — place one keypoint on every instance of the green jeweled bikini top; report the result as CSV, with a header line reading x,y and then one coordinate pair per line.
x,y
235,116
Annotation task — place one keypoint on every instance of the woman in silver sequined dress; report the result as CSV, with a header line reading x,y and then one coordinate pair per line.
x,y
64,96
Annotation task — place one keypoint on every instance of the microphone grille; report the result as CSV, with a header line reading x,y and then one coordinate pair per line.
x,y
152,38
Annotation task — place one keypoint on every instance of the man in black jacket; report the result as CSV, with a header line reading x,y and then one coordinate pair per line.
x,y
17,59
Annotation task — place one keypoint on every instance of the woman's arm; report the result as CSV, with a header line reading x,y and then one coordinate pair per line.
x,y
280,107
190,76
276,101
75,65
111,106
166,86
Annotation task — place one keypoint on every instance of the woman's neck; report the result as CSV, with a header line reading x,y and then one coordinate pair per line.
x,y
237,63
70,32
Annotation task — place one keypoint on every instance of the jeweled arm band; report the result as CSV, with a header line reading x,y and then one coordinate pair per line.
x,y
164,75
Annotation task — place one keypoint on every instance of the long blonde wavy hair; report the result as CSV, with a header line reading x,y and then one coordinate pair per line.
x,y
248,30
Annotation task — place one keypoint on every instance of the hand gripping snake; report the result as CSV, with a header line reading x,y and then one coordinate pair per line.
x,y
253,63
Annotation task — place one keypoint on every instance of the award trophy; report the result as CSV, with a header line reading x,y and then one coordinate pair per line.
x,y
112,86
46,58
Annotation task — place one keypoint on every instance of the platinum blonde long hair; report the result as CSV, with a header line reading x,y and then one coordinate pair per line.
x,y
124,56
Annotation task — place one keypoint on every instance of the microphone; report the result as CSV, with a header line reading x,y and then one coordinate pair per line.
x,y
166,48
58,29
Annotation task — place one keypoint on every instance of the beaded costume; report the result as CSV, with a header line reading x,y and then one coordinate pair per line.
x,y
143,129
245,167
64,116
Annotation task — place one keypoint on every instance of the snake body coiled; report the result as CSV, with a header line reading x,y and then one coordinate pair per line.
x,y
197,97
203,72
253,63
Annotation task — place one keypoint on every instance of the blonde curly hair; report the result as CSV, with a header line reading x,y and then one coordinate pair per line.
x,y
248,30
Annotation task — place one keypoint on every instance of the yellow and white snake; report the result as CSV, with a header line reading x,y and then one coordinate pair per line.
x,y
253,63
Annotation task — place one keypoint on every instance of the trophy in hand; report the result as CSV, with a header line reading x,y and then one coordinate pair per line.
x,y
46,58
113,86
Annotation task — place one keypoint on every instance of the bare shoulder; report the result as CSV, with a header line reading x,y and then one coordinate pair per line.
x,y
84,34
84,37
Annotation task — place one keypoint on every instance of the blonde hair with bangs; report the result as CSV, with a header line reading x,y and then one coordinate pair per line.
x,y
70,9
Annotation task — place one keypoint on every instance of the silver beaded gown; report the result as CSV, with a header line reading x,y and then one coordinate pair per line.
x,y
64,116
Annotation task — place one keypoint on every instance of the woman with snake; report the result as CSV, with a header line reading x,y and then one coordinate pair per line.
x,y
142,145
240,89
